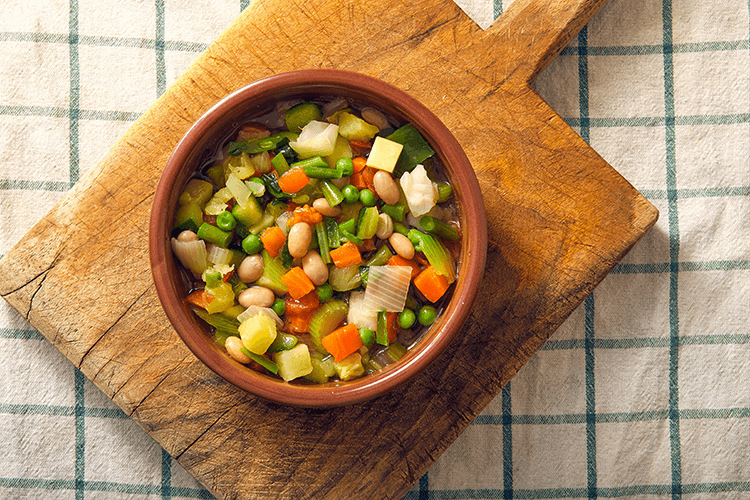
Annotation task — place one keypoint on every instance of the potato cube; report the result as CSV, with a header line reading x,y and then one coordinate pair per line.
x,y
384,154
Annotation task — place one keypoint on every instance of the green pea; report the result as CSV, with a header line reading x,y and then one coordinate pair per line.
x,y
279,307
351,194
252,244
325,292
367,198
406,319
427,315
367,336
226,221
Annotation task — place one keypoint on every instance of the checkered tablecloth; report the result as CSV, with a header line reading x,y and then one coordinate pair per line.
x,y
643,393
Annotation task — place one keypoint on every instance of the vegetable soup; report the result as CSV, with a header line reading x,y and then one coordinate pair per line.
x,y
320,242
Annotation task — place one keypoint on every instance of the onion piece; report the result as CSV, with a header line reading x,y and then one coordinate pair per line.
x,y
387,287
218,255
316,138
191,254
360,314
421,194
253,311
240,192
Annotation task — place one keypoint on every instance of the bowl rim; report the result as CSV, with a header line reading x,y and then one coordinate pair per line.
x,y
474,238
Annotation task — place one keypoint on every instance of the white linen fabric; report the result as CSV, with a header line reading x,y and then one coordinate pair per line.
x,y
643,393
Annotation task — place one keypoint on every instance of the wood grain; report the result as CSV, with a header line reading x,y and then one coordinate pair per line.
x,y
559,219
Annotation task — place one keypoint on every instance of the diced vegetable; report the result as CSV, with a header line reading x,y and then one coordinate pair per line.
x,y
350,367
421,194
346,255
189,217
273,239
258,333
384,154
196,191
432,284
316,138
300,115
326,319
352,127
387,287
416,149
297,282
273,269
293,363
342,341
343,279
437,255
191,254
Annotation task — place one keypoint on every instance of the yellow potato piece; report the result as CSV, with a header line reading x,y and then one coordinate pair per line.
x,y
384,154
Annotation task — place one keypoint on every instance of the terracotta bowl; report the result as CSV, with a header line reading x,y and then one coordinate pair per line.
x,y
212,129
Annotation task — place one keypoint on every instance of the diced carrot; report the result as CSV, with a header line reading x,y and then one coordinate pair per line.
x,y
299,311
200,298
359,164
293,180
305,214
343,341
346,255
364,179
297,282
397,260
432,284
273,239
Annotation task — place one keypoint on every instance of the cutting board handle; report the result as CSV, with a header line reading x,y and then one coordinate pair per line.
x,y
531,33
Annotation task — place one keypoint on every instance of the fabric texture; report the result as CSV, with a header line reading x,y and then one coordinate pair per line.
x,y
643,393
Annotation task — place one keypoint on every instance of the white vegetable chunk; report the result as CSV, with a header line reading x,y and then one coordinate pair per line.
x,y
387,287
359,314
421,194
316,138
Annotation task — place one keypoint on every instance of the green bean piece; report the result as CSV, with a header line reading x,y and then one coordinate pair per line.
x,y
427,315
256,146
351,194
367,198
397,211
367,336
323,245
261,360
332,230
314,161
213,234
381,334
349,225
226,221
380,257
351,237
436,227
332,194
252,244
400,228
445,191
345,166
406,319
325,292
321,173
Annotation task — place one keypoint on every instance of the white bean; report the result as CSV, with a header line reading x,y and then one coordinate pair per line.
x,y
401,245
233,345
375,117
299,238
251,268
385,227
256,296
187,236
322,206
386,187
315,268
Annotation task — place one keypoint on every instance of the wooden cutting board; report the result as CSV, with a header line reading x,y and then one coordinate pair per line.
x,y
559,219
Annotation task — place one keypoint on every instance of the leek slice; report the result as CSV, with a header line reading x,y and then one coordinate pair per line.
x,y
387,287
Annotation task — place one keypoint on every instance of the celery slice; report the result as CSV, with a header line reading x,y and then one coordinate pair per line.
x,y
325,320
273,269
344,279
219,321
438,256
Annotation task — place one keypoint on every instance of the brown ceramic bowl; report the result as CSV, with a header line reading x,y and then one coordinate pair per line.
x,y
209,132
